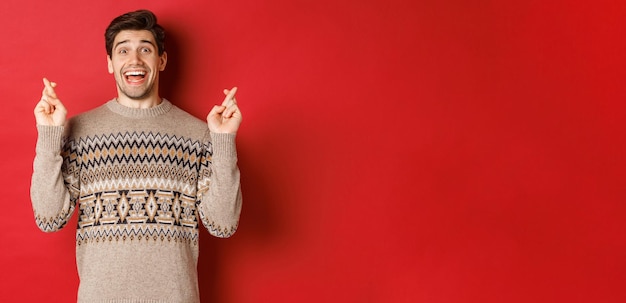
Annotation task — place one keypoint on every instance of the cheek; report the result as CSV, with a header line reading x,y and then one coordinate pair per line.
x,y
114,67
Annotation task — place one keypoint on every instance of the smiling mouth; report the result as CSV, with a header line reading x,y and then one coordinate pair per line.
x,y
135,76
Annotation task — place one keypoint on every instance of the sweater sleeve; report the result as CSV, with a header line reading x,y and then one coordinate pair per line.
x,y
219,191
54,185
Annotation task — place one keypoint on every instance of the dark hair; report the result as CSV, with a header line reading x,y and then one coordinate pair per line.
x,y
137,20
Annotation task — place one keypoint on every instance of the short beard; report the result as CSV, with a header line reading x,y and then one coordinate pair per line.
x,y
141,96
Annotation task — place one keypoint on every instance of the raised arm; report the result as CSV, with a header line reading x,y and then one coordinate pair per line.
x,y
219,188
54,190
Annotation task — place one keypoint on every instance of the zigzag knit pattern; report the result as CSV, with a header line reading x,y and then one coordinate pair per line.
x,y
55,223
135,232
136,186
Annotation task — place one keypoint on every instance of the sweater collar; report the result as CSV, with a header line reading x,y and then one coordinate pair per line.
x,y
130,112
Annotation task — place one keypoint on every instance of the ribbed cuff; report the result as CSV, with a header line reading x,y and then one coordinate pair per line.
x,y
224,145
49,138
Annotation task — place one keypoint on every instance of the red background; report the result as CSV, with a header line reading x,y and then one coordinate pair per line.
x,y
391,151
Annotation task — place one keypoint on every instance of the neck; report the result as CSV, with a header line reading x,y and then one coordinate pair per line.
x,y
147,102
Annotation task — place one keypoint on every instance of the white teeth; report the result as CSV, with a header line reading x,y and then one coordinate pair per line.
x,y
134,73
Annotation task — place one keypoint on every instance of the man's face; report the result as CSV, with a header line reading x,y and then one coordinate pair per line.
x,y
136,64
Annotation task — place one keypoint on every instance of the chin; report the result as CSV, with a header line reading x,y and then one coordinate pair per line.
x,y
136,94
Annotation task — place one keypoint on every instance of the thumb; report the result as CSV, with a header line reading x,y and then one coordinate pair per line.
x,y
216,110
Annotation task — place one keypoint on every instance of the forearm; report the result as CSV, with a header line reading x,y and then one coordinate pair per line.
x,y
221,204
50,197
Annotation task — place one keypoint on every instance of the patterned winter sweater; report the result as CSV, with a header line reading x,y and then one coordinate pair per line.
x,y
141,180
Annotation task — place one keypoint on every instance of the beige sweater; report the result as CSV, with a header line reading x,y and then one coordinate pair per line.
x,y
141,180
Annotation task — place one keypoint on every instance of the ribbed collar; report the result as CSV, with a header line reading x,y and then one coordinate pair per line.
x,y
130,112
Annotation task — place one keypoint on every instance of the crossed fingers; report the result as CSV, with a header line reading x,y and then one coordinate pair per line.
x,y
230,103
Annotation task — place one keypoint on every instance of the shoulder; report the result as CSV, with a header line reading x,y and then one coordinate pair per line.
x,y
182,114
90,115
87,120
186,119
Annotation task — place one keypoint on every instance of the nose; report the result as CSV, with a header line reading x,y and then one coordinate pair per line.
x,y
134,58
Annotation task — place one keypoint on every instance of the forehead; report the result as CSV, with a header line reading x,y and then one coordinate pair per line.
x,y
134,36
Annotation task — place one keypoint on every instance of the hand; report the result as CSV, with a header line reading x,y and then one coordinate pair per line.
x,y
50,111
225,118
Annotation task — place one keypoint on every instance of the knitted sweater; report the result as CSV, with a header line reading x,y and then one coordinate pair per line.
x,y
141,179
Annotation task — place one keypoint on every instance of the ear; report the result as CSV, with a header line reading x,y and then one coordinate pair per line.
x,y
110,64
163,61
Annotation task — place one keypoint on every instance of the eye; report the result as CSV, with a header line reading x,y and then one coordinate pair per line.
x,y
122,51
145,50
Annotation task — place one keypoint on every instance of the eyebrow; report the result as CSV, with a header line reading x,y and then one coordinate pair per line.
x,y
127,41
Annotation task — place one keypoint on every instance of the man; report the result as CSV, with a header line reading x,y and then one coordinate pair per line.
x,y
141,172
